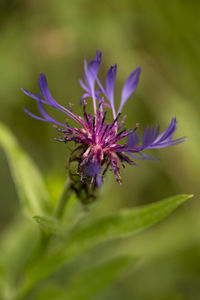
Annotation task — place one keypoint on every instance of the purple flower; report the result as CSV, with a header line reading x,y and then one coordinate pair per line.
x,y
102,143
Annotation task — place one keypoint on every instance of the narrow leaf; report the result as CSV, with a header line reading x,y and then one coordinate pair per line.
x,y
27,177
119,225
16,245
87,284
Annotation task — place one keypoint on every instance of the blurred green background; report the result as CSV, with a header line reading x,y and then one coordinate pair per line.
x,y
163,37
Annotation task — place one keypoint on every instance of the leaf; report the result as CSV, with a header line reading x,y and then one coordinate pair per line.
x,y
87,284
121,224
27,177
48,224
16,246
118,225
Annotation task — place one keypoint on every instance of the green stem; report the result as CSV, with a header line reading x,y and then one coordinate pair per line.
x,y
66,193
45,238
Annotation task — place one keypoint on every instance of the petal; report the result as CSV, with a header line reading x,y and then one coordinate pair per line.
x,y
168,133
45,90
32,115
166,143
110,84
50,100
83,85
91,71
35,97
98,56
129,87
85,65
150,134
86,95
47,117
142,156
91,168
133,139
99,180
39,98
163,140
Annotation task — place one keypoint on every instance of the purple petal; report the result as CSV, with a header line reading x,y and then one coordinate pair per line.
x,y
32,115
151,141
55,104
110,84
145,156
166,143
150,134
133,139
99,180
129,87
142,156
35,97
46,116
50,100
168,133
83,85
45,90
86,95
85,65
98,56
46,93
91,72
91,168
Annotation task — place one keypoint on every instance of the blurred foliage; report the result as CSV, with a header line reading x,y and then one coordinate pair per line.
x,y
163,38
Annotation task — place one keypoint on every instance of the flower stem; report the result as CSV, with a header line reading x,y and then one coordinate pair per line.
x,y
66,193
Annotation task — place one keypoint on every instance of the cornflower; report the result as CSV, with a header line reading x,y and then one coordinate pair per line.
x,y
102,145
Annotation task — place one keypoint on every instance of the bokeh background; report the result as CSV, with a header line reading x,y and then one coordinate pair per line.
x,y
163,37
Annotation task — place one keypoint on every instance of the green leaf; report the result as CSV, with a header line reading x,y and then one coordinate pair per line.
x,y
87,284
121,224
27,177
48,224
118,225
16,245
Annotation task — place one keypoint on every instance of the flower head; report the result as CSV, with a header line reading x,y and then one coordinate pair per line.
x,y
103,144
